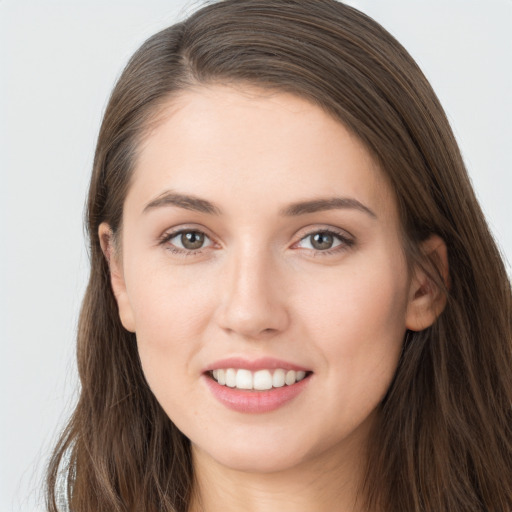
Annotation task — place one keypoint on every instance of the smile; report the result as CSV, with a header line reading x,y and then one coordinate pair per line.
x,y
261,380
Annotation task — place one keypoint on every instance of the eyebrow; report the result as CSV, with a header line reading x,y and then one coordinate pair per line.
x,y
322,204
193,203
187,202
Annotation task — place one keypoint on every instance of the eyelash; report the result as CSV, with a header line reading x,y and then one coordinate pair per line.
x,y
167,237
346,242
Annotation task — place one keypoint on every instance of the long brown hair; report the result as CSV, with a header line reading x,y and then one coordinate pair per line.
x,y
443,441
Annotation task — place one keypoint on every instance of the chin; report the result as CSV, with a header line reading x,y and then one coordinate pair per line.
x,y
250,456
260,463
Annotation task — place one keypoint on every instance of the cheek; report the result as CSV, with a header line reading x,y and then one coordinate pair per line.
x,y
168,303
171,310
357,329
357,319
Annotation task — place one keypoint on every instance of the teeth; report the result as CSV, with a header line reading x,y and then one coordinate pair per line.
x,y
278,378
290,377
230,378
243,379
260,380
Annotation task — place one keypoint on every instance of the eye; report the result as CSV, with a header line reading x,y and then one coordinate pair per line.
x,y
187,240
325,240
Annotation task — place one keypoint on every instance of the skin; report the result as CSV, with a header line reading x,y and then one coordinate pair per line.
x,y
259,288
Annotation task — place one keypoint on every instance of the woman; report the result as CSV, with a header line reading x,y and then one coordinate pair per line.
x,y
295,301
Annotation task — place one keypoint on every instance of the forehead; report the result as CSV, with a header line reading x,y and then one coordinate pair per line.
x,y
259,146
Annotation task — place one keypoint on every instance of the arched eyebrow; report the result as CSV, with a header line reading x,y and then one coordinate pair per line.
x,y
322,204
185,201
190,202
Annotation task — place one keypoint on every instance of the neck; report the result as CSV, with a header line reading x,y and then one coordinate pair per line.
x,y
329,482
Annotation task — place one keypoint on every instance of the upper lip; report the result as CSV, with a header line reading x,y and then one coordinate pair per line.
x,y
263,363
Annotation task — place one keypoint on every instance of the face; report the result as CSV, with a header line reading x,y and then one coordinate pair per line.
x,y
262,270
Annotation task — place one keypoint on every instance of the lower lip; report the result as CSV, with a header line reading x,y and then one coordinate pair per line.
x,y
255,401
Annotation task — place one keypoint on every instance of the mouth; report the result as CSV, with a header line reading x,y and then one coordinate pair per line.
x,y
256,386
260,380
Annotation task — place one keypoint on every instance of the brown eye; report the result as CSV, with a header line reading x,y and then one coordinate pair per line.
x,y
187,240
321,241
192,240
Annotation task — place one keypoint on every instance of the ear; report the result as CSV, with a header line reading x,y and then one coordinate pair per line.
x,y
116,276
427,298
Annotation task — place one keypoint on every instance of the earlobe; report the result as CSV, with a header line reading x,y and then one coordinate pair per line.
x,y
116,276
429,285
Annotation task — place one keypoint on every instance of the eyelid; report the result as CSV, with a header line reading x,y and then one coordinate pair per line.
x,y
347,240
171,233
324,228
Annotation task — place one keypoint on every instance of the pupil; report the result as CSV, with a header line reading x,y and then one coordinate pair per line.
x,y
192,240
322,241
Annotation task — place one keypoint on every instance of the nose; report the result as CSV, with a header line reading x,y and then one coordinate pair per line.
x,y
252,302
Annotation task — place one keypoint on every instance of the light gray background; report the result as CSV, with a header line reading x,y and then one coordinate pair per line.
x,y
58,62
